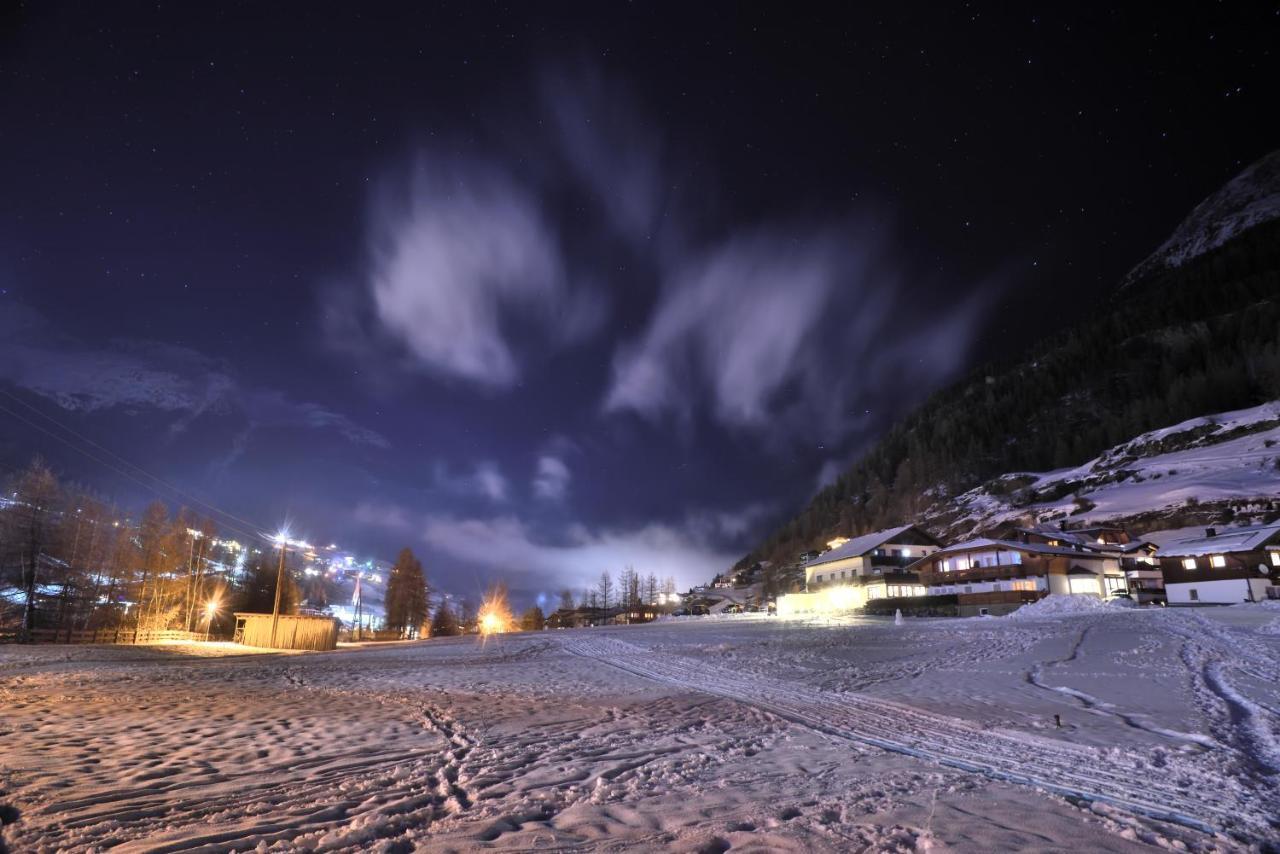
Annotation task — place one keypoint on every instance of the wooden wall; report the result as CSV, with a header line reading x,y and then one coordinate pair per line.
x,y
293,632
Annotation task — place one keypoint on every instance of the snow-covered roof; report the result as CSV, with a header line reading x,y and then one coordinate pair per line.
x,y
1013,545
1225,540
859,546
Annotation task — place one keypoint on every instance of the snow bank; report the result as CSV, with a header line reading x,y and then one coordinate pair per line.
x,y
1062,605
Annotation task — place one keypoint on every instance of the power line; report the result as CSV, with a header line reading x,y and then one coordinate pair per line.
x,y
176,490
234,528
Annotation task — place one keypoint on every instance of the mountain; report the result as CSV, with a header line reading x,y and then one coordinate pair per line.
x,y
1194,330
1249,199
1222,467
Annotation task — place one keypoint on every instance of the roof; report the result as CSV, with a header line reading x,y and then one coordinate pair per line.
x,y
1227,540
859,546
1013,545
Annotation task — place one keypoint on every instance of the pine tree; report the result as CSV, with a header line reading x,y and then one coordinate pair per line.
x,y
406,600
533,620
444,623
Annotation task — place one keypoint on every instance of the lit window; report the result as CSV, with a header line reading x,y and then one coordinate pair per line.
x,y
1189,563
906,552
1217,561
1275,558
1016,556
946,564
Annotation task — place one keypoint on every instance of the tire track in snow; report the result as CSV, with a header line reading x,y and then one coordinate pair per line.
x,y
1177,792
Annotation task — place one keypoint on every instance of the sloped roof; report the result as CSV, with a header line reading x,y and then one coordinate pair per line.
x,y
1013,545
859,546
1227,540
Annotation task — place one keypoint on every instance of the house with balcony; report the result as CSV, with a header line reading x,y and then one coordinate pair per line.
x,y
990,576
874,564
1137,556
1222,567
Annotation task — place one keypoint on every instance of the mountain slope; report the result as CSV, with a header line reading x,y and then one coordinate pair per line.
x,y
1182,341
1249,199
1215,468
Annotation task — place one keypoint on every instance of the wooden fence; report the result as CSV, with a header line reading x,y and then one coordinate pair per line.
x,y
119,636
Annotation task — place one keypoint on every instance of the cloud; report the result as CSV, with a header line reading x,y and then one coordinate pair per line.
x,y
507,546
608,147
462,263
791,331
149,377
485,480
552,479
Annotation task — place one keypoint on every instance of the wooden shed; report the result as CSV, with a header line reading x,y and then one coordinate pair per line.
x,y
293,631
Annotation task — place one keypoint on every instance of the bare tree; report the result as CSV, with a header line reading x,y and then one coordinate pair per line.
x,y
31,522
604,587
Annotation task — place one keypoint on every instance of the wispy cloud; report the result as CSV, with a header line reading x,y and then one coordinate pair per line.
x,y
551,482
462,260
791,331
485,480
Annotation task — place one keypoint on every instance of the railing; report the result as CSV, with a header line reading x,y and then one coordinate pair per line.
x,y
893,560
105,636
980,573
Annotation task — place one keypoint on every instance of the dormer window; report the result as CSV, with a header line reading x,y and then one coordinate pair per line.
x,y
1217,561
1189,563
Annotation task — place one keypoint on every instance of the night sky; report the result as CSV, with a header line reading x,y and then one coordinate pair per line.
x,y
541,290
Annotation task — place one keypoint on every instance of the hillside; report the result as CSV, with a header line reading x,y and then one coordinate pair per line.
x,y
1223,467
1177,342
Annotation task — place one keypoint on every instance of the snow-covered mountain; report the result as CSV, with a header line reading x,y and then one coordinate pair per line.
x,y
1249,199
1218,468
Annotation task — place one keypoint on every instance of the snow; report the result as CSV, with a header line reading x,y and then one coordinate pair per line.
x,y
1251,198
1134,478
699,734
1058,605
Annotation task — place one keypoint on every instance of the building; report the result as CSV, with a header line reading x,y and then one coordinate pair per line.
x,y
862,569
1222,567
293,631
997,576
1144,581
877,562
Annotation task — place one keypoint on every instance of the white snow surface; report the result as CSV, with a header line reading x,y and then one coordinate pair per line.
x,y
1251,198
1137,477
747,733
1060,605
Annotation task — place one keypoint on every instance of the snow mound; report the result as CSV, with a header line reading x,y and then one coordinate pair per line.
x,y
1062,605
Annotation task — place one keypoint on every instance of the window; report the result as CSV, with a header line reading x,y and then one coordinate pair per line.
x,y
842,573
1217,561
906,552
818,577
1189,563
1114,584
1016,557
1275,558
946,565
1022,584
1193,595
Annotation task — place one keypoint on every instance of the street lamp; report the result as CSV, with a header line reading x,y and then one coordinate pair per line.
x,y
210,610
281,540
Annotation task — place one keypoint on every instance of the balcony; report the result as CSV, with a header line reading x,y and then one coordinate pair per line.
x,y
878,561
982,573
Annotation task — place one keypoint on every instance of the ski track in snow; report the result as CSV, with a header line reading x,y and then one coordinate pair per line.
x,y
698,735
1112,777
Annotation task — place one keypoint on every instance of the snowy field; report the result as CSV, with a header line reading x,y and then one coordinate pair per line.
x,y
742,733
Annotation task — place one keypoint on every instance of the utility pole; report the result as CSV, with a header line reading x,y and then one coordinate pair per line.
x,y
275,609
